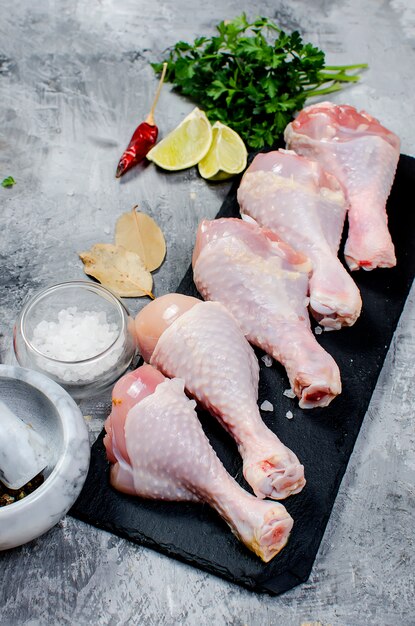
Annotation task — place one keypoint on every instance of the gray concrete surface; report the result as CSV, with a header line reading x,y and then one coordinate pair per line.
x,y
74,82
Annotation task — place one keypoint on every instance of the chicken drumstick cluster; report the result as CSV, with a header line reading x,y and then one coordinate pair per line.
x,y
258,277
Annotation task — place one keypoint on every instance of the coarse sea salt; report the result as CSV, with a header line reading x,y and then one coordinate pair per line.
x,y
318,330
266,406
267,360
289,415
75,337
289,393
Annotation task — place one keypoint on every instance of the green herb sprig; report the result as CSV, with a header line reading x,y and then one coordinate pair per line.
x,y
8,182
253,76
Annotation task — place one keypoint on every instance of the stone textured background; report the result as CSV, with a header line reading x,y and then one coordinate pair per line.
x,y
75,81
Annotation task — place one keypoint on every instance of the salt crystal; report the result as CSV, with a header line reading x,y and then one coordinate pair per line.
x,y
248,218
42,326
266,406
289,393
77,336
318,330
289,415
267,360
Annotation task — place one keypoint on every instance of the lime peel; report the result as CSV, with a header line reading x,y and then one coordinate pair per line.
x,y
227,155
184,146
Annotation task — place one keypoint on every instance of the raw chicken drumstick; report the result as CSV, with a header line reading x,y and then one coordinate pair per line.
x,y
305,206
264,283
159,450
201,343
363,156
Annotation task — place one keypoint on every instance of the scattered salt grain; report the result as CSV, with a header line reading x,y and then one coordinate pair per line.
x,y
75,337
289,393
289,415
318,330
249,219
266,406
267,360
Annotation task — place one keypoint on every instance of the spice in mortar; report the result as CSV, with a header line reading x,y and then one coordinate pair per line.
x,y
75,337
9,496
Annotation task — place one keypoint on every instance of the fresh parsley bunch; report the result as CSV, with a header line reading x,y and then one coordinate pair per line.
x,y
253,76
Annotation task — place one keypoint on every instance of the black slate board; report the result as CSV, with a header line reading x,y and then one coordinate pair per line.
x,y
323,438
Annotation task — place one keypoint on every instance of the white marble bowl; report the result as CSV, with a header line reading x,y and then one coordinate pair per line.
x,y
53,413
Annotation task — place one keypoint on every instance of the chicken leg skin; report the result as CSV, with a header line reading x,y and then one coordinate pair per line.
x,y
236,264
306,207
206,348
363,155
168,457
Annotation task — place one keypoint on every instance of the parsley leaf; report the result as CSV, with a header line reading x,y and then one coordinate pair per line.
x,y
8,182
253,76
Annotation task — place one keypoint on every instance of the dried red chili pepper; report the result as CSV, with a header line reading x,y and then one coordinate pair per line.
x,y
144,137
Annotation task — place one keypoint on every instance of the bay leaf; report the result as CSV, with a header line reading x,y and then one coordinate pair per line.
x,y
139,233
119,269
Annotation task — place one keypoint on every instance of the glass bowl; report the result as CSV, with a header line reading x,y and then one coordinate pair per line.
x,y
79,334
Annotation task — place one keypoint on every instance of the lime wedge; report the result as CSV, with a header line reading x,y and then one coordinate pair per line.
x,y
226,156
184,146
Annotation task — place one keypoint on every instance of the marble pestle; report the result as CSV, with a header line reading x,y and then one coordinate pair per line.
x,y
23,452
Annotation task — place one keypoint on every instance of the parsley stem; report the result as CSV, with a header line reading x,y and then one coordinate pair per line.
x,y
344,78
311,93
357,66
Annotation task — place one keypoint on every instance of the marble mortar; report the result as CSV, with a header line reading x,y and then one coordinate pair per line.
x,y
56,417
